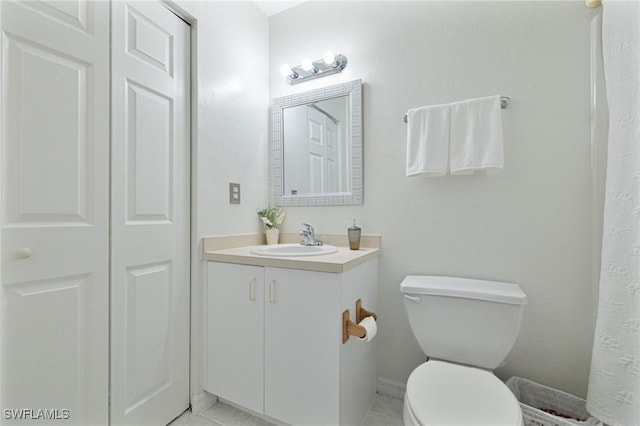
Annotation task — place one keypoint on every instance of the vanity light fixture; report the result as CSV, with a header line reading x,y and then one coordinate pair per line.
x,y
308,70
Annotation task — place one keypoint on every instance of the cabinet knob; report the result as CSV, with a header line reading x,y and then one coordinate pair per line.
x,y
24,253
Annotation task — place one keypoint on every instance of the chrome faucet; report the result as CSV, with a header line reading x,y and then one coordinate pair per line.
x,y
309,236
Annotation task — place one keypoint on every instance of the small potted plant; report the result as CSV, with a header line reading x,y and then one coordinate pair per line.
x,y
271,217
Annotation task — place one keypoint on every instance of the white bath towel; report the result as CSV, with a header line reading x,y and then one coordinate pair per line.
x,y
428,140
476,136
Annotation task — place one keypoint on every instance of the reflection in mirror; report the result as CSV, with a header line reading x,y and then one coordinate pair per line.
x,y
316,152
317,147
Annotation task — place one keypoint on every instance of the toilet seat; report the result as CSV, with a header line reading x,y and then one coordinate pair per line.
x,y
441,393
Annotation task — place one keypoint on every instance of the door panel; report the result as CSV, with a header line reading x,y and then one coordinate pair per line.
x,y
149,151
148,351
50,176
235,334
149,42
55,215
150,214
77,14
332,155
302,303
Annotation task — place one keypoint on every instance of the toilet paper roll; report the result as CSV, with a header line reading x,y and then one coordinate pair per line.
x,y
370,325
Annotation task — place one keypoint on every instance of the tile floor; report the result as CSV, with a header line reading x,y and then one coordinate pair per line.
x,y
384,411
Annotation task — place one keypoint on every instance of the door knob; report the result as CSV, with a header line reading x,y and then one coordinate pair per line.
x,y
24,253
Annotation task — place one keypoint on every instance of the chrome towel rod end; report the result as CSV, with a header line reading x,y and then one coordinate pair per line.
x,y
504,103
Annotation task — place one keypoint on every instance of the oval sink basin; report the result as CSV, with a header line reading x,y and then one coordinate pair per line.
x,y
292,250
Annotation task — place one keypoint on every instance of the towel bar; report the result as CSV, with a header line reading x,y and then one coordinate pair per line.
x,y
504,103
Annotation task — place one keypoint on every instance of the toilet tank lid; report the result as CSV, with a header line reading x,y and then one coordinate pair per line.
x,y
493,291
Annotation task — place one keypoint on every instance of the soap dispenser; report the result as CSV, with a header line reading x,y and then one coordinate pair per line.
x,y
354,233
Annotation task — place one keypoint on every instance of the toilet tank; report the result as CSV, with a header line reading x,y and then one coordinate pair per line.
x,y
467,321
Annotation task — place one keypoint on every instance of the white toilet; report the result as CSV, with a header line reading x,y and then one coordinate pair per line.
x,y
467,328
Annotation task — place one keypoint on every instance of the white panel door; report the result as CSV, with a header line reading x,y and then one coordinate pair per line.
x,y
322,149
55,213
150,214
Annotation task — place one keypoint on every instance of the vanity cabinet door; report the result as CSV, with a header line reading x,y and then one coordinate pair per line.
x,y
302,346
235,336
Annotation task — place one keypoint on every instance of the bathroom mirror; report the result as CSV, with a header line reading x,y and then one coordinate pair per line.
x,y
317,147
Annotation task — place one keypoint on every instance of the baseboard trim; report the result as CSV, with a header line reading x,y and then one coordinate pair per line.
x,y
391,388
201,401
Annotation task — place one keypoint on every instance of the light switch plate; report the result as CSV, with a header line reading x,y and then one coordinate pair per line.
x,y
234,193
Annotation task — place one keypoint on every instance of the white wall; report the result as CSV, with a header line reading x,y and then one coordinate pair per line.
x,y
532,224
233,101
231,114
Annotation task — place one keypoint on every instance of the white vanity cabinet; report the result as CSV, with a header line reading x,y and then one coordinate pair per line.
x,y
274,342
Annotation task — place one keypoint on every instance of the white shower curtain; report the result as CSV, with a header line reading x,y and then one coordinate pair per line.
x,y
614,381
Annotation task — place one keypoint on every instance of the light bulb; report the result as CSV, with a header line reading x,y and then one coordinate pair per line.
x,y
285,70
306,64
329,58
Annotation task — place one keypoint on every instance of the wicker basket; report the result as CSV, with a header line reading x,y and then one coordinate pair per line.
x,y
540,403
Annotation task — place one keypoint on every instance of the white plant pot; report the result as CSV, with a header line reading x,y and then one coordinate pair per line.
x,y
272,235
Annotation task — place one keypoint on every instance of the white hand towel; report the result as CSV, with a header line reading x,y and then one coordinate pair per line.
x,y
476,136
428,140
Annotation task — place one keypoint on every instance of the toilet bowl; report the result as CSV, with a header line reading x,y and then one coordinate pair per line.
x,y
467,328
442,393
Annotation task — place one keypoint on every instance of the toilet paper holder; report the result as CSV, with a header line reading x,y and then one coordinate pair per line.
x,y
350,328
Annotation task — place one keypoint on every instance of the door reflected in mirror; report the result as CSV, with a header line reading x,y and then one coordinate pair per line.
x,y
317,147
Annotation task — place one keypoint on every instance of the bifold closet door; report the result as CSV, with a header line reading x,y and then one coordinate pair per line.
x,y
150,181
55,212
